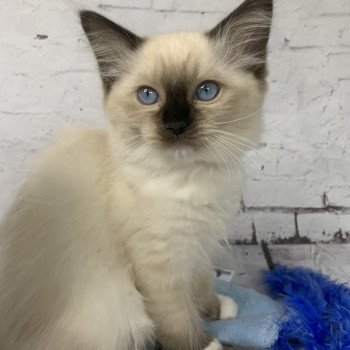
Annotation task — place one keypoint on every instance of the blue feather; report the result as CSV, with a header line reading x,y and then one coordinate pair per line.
x,y
317,310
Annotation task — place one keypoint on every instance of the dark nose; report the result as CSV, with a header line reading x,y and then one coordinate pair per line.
x,y
177,127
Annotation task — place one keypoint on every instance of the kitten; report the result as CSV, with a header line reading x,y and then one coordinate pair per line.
x,y
108,243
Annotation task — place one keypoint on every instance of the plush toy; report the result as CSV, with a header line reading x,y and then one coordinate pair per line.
x,y
308,312
257,323
305,311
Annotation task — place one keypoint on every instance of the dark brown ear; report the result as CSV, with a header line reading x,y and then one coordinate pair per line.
x,y
111,43
245,34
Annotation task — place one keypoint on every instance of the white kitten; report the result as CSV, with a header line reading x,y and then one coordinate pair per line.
x,y
108,243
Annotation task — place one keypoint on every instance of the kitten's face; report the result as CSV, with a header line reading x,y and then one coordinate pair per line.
x,y
179,68
185,91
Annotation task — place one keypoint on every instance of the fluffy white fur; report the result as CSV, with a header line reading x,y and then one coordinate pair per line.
x,y
81,233
108,243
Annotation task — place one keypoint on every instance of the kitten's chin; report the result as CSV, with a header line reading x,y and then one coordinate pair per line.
x,y
179,149
183,151
187,152
181,143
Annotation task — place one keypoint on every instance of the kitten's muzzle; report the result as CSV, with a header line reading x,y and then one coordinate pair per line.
x,y
177,127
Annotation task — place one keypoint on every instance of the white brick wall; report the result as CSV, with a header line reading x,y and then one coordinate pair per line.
x,y
47,78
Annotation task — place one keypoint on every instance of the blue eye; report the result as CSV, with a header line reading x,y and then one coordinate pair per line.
x,y
207,90
147,95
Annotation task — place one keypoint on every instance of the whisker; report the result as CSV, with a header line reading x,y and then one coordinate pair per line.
x,y
262,152
127,148
226,160
224,136
217,142
212,149
131,138
223,158
237,167
237,120
245,154
131,145
232,136
213,154
140,144
237,136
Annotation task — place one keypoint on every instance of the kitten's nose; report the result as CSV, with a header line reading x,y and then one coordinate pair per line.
x,y
177,127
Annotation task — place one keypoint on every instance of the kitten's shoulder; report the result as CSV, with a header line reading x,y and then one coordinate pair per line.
x,y
75,147
74,160
80,140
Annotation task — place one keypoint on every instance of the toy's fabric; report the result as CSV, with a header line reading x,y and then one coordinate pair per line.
x,y
257,322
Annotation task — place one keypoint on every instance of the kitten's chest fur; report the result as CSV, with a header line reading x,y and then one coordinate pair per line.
x,y
176,216
169,216
186,197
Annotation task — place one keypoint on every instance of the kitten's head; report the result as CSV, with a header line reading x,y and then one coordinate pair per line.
x,y
196,95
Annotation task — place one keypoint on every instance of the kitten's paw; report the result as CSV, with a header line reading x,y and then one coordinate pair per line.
x,y
228,307
214,345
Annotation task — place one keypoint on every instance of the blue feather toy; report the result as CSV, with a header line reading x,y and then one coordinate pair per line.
x,y
307,311
318,310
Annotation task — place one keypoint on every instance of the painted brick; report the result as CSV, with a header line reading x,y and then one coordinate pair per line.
x,y
207,5
339,63
321,31
340,195
273,226
165,5
282,192
284,162
146,22
344,223
242,230
344,102
195,6
313,8
318,226
333,8
115,5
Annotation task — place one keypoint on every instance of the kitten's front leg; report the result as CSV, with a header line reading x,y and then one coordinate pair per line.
x,y
179,325
212,306
205,299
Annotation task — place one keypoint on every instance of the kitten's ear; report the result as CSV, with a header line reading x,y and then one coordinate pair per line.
x,y
111,43
243,35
